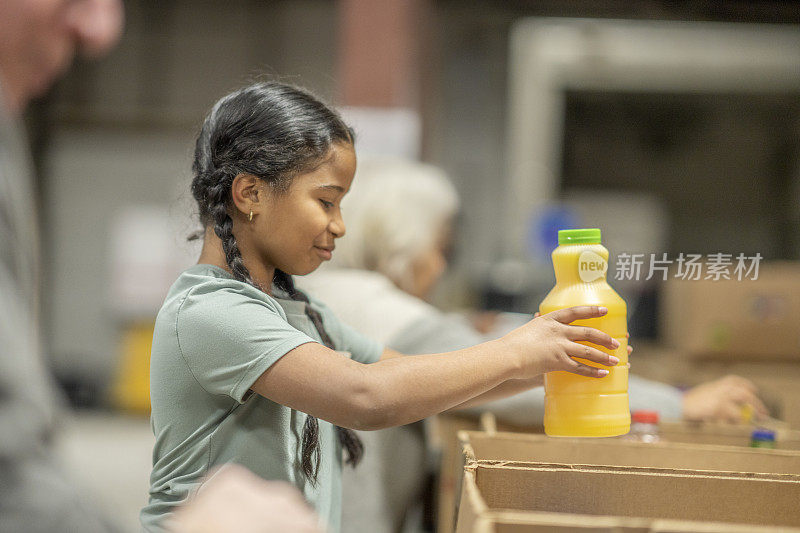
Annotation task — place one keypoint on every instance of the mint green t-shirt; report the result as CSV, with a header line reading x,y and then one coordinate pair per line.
x,y
214,336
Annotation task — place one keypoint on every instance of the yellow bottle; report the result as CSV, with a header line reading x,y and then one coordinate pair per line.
x,y
578,406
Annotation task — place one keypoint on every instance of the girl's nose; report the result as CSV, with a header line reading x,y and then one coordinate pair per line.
x,y
337,227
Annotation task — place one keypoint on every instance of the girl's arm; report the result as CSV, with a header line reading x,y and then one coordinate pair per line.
x,y
505,389
399,390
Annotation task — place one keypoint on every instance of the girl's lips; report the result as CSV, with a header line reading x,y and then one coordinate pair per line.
x,y
323,253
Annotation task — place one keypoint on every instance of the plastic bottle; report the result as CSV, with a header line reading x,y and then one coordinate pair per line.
x,y
644,426
579,406
762,438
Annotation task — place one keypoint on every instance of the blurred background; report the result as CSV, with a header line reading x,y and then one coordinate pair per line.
x,y
673,126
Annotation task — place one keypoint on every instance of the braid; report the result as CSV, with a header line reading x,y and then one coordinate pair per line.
x,y
217,205
349,438
353,445
309,450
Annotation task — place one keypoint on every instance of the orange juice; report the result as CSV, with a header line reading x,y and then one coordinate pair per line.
x,y
579,406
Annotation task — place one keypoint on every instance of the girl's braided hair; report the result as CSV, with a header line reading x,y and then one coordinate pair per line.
x,y
273,131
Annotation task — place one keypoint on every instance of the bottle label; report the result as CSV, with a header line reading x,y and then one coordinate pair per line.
x,y
591,266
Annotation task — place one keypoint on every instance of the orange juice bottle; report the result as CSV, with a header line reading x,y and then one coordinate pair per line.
x,y
579,406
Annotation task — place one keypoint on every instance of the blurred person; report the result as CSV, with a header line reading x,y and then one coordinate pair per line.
x,y
246,368
236,500
38,39
400,220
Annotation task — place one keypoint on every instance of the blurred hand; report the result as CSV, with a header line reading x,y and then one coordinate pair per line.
x,y
548,343
722,400
233,499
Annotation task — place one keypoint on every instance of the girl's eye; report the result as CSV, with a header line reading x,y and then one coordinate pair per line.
x,y
326,204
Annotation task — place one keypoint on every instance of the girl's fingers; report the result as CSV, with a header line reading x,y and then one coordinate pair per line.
x,y
581,312
595,336
630,349
586,370
591,354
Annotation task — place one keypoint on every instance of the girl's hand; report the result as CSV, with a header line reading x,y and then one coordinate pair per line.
x,y
548,343
537,314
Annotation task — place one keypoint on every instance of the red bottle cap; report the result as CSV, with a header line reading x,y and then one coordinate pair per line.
x,y
645,417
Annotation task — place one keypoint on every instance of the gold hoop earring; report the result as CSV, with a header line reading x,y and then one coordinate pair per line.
x,y
250,218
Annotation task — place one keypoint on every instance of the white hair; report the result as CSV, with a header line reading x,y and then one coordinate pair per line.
x,y
395,211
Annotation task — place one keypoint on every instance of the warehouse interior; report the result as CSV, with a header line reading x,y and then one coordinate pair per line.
x,y
672,126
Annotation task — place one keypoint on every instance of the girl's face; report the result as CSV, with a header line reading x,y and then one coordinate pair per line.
x,y
296,229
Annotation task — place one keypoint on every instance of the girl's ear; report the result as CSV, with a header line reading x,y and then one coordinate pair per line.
x,y
246,193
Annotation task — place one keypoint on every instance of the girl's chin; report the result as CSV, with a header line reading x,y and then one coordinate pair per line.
x,y
305,270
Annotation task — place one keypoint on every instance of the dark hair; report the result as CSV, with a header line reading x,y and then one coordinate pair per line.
x,y
273,131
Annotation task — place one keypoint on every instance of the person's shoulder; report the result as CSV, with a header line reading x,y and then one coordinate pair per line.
x,y
329,279
210,289
367,300
332,284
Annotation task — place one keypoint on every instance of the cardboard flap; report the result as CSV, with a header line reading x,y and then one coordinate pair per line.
x,y
471,514
757,499
731,474
707,457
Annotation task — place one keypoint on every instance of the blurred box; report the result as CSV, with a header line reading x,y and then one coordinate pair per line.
x,y
506,497
725,434
748,318
778,380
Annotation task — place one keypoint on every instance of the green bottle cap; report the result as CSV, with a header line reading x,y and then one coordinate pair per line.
x,y
579,236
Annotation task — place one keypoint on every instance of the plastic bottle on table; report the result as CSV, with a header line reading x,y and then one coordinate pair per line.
x,y
644,426
579,406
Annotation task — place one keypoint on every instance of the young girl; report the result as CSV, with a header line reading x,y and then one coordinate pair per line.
x,y
247,369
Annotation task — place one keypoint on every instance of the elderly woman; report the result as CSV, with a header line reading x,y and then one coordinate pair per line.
x,y
398,228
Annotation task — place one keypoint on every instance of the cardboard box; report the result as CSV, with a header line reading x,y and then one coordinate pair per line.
x,y
676,461
735,318
523,498
451,459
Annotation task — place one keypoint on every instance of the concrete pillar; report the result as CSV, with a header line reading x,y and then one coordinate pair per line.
x,y
380,73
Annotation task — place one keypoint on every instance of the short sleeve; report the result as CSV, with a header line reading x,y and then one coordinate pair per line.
x,y
228,338
362,348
